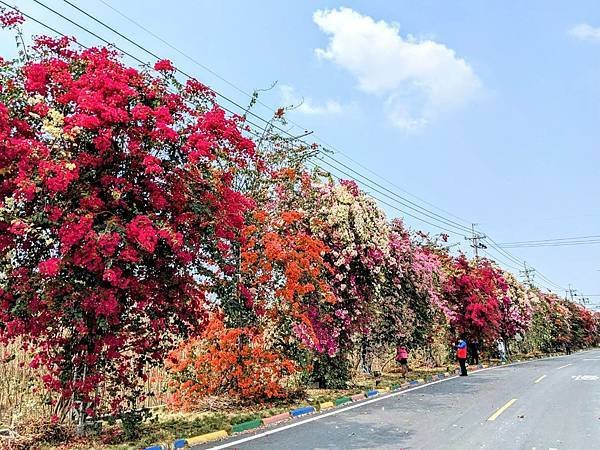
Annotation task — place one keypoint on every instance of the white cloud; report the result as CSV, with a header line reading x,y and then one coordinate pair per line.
x,y
418,79
306,105
585,32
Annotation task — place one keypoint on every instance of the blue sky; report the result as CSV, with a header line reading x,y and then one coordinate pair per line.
x,y
487,110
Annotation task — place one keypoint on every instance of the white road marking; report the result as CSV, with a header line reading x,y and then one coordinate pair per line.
x,y
540,379
376,399
562,367
585,377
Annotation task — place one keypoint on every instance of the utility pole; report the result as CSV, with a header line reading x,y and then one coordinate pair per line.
x,y
528,273
475,241
571,293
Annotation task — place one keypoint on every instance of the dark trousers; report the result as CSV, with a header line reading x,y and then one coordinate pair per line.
x,y
463,366
475,358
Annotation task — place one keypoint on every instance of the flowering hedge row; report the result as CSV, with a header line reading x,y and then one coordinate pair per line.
x,y
139,224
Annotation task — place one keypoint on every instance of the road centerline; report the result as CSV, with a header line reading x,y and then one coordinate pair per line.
x,y
540,379
501,410
562,367
270,432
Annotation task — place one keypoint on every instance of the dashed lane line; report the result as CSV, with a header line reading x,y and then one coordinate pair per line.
x,y
562,367
501,410
540,379
322,416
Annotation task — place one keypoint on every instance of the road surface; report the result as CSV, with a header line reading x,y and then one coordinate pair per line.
x,y
544,404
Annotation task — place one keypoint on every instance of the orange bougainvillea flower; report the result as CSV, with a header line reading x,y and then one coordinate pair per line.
x,y
231,361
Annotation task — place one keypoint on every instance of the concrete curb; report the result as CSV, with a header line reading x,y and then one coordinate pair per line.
x,y
299,412
357,397
277,418
342,400
179,443
326,405
203,438
302,411
248,425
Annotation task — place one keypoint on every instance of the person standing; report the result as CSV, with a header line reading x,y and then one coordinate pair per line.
x,y
501,351
474,352
402,359
461,355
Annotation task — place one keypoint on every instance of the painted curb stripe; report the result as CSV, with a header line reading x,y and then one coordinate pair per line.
x,y
155,447
179,443
326,405
348,408
358,397
207,437
302,411
372,393
277,418
342,400
249,425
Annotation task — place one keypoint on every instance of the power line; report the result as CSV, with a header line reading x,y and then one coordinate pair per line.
x,y
406,202
420,210
436,217
577,238
552,244
384,202
270,108
514,259
500,260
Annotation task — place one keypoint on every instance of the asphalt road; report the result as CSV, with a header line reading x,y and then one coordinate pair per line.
x,y
543,404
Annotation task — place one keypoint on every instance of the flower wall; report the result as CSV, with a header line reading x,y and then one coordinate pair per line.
x,y
141,225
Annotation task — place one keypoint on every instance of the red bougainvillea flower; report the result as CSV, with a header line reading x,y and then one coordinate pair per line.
x,y
164,65
117,193
50,267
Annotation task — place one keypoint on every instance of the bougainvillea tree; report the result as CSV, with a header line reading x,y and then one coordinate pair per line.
x,y
286,285
223,360
515,310
411,294
583,328
116,212
473,291
355,230
281,292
